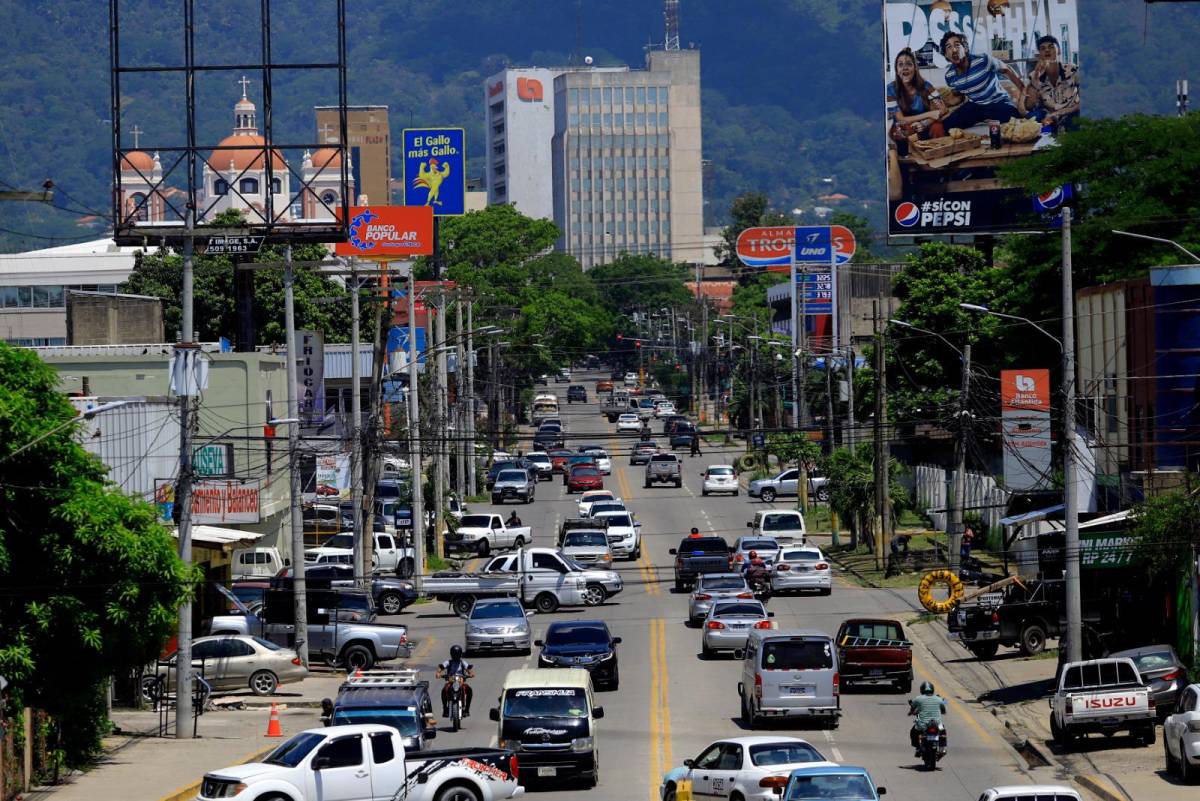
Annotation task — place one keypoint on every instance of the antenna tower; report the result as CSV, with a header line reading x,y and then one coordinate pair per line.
x,y
671,15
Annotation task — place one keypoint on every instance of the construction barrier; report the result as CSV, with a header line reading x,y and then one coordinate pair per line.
x,y
944,578
683,790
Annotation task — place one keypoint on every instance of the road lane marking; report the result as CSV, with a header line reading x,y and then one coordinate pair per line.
x,y
833,749
644,563
424,648
660,709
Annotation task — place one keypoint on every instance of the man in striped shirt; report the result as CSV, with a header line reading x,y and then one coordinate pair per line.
x,y
977,78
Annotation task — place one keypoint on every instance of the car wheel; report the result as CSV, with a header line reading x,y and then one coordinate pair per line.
x,y
462,605
735,493
637,553
358,657
264,682
826,591
458,792
497,501
706,652
768,495
391,603
669,793
823,495
545,603
1148,736
678,483
1187,774
905,686
594,595
647,485
405,568
984,650
1061,736
1170,766
1033,640
151,688
483,548
519,542
704,493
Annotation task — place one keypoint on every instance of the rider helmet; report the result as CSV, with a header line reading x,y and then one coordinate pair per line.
x,y
754,554
927,688
456,653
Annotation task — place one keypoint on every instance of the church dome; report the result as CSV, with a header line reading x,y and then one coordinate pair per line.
x,y
137,160
224,158
326,157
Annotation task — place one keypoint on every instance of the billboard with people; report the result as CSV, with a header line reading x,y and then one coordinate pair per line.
x,y
971,85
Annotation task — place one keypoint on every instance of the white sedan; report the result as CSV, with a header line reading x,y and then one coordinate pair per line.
x,y
753,768
803,568
592,496
629,422
1181,736
719,478
664,408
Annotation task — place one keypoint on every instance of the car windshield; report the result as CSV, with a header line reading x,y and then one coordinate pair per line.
x,y
475,521
781,523
546,702
339,541
838,787
387,489
629,418
585,471
800,556
772,754
496,611
1155,661
720,471
760,545
404,721
540,458
585,538
357,602
512,475
797,654
576,633
739,610
722,582
293,752
270,646
616,521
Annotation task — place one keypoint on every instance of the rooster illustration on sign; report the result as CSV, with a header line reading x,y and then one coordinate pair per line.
x,y
431,177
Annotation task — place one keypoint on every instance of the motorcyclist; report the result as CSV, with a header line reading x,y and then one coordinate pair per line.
x,y
928,708
695,534
756,568
456,666
645,437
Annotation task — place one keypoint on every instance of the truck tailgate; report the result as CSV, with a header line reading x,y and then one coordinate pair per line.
x,y
875,656
1131,703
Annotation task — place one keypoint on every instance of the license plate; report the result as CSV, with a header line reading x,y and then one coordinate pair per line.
x,y
801,690
876,672
547,771
931,738
738,625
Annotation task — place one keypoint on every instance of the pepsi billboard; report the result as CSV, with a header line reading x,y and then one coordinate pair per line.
x,y
969,88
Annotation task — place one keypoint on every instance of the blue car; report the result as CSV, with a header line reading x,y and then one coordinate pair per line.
x,y
843,782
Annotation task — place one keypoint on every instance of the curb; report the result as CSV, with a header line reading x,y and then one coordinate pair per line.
x,y
190,791
1098,783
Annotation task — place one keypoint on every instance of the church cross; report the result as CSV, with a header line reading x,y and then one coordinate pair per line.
x,y
325,130
137,132
244,82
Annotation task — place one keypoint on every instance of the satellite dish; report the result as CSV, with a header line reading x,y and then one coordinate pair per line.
x,y
587,60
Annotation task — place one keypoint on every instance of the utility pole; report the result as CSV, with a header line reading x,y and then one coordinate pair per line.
x,y
299,594
954,540
439,464
185,350
362,566
882,501
1181,97
852,432
414,424
470,399
459,422
829,401
1070,502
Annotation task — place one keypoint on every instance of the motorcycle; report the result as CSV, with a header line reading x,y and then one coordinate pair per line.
x,y
933,745
458,696
761,587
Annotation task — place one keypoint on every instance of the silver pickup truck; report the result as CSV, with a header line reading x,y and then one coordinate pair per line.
x,y
333,635
516,485
538,576
664,468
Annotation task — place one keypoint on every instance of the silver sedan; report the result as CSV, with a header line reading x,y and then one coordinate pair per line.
x,y
497,624
715,587
729,623
799,569
232,662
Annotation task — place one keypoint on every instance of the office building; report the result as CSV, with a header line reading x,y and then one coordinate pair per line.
x,y
627,172
520,127
370,145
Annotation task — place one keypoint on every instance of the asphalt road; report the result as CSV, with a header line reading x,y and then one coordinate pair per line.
x,y
671,703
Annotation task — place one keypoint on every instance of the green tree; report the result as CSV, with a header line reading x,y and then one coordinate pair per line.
x,y
864,234
92,582
1167,529
793,448
632,282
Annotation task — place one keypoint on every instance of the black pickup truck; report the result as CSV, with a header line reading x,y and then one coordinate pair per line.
x,y
697,556
1024,615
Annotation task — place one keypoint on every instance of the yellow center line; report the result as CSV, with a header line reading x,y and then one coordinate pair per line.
x,y
958,706
425,648
645,566
660,713
664,699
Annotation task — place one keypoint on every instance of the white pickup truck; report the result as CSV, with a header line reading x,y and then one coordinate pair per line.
x,y
540,577
484,533
366,762
1101,695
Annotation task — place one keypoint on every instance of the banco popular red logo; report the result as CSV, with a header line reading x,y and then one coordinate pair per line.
x,y
907,214
529,90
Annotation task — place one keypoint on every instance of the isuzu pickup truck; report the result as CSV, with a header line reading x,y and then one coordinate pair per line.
x,y
1101,695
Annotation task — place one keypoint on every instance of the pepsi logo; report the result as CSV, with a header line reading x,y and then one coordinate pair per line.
x,y
1052,199
907,214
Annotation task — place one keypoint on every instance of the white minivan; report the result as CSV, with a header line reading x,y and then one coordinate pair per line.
x,y
789,674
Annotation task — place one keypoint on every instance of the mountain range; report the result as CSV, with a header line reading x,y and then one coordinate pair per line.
x,y
792,89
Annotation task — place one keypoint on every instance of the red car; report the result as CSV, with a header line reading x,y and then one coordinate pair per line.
x,y
558,458
604,386
584,477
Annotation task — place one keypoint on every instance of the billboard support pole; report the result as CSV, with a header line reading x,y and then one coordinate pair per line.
x,y
795,350
1070,506
299,595
414,423
955,532
183,495
361,565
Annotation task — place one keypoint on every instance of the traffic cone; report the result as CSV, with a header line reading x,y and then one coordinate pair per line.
x,y
273,727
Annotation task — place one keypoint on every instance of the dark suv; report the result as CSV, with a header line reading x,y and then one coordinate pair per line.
x,y
583,644
576,392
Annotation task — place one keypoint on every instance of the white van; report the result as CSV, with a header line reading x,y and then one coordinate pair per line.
x,y
257,563
785,526
549,716
790,674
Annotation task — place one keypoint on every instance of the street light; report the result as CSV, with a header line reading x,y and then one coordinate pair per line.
x,y
1171,242
1070,507
86,415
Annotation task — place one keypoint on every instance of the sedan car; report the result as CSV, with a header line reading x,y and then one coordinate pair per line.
x,y
588,547
604,385
576,461
799,569
682,435
558,458
714,587
1163,672
727,625
642,452
766,548
603,463
584,477
610,505
628,423
1181,735
542,464
576,392
624,533
583,644
719,478
843,782
752,768
663,408
631,379
592,496
236,662
497,624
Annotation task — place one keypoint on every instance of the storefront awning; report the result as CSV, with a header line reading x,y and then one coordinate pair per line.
x,y
1037,515
217,536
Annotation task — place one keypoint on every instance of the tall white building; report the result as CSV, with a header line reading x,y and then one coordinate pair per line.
x,y
520,126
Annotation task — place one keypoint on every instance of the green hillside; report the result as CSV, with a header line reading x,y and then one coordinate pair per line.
x,y
792,88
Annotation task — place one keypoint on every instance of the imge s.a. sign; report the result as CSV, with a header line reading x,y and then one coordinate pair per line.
x,y
389,232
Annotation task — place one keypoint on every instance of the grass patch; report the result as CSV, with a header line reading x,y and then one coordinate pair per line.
x,y
861,569
434,562
1048,653
482,498
924,617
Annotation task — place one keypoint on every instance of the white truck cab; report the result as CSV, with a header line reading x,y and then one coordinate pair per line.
x,y
785,526
257,563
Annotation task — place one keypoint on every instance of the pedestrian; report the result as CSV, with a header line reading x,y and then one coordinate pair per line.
x,y
968,540
696,443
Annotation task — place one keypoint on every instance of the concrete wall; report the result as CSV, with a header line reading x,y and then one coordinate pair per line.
x,y
95,318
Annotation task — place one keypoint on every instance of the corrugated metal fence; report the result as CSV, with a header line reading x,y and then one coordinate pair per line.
x,y
932,490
